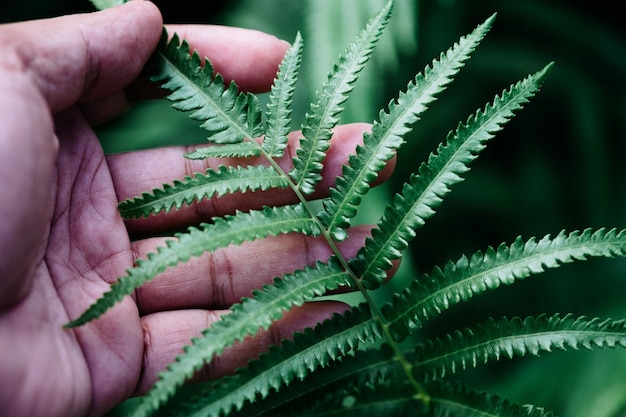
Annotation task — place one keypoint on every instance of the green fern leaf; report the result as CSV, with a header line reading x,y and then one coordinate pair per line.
x,y
246,319
221,233
292,360
324,112
228,115
389,397
362,368
234,150
513,338
393,397
225,180
522,257
453,400
281,97
431,295
384,398
424,192
519,257
322,372
388,134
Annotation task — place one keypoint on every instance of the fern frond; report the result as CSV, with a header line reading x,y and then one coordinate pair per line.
x,y
222,232
225,180
376,368
364,367
324,112
232,150
281,97
359,324
388,133
392,398
449,400
246,318
515,338
292,360
431,295
425,191
228,115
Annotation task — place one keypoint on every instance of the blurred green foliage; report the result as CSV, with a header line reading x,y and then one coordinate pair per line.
x,y
558,165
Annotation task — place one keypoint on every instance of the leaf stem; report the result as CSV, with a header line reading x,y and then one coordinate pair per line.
x,y
399,355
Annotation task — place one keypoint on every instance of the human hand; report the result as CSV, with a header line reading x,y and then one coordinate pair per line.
x,y
63,242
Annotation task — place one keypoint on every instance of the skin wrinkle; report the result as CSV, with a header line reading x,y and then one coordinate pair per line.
x,y
210,369
92,161
160,349
195,283
230,278
91,74
35,64
218,296
147,358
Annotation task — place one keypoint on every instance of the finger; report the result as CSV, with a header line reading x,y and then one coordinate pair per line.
x,y
84,57
249,57
219,279
165,334
137,172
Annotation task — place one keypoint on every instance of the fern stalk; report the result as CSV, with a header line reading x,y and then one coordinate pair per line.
x,y
338,85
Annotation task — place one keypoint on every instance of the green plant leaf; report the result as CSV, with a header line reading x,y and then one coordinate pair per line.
x,y
225,180
246,319
432,294
392,397
238,150
292,360
281,97
425,191
362,368
384,398
222,232
515,338
228,115
456,400
324,112
388,133
327,370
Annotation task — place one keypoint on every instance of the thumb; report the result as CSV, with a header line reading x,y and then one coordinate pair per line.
x,y
85,56
45,67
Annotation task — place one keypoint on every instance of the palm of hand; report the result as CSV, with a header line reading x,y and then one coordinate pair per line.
x,y
87,247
